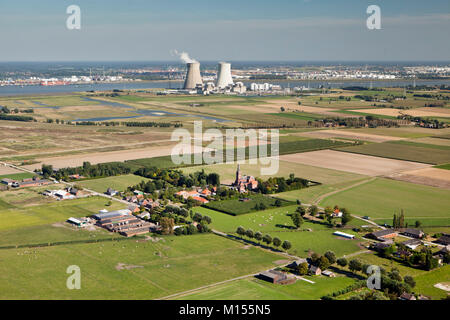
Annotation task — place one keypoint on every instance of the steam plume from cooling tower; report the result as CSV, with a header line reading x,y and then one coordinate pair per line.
x,y
184,56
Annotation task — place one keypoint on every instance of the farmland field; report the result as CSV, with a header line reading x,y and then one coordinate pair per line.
x,y
402,152
354,163
255,289
381,198
128,269
118,183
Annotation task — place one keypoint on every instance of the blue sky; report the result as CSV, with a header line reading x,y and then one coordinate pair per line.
x,y
300,30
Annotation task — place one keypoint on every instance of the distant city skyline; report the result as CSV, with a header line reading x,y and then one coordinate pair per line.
x,y
304,30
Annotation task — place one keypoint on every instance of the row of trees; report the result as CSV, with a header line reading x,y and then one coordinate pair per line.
x,y
280,184
267,239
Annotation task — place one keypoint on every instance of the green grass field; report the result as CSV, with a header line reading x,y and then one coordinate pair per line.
x,y
381,198
156,269
119,183
402,151
276,222
444,166
59,211
51,233
255,289
237,207
17,176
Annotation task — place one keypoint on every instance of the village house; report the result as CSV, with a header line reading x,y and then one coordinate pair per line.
x,y
111,192
412,243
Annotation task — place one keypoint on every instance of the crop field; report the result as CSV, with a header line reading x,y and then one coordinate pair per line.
x,y
402,152
118,183
381,198
227,172
236,206
344,134
434,177
128,269
277,223
403,132
60,211
255,289
350,162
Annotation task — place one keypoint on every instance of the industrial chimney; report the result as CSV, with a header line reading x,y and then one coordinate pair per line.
x,y
193,77
224,78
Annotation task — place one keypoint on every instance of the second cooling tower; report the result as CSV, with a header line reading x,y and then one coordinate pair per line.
x,y
224,78
193,77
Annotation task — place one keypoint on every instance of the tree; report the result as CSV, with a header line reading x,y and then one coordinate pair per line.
x,y
276,242
197,217
267,239
409,281
418,224
302,268
314,258
331,257
301,210
323,263
346,216
342,262
249,233
240,231
47,170
278,203
355,265
313,210
328,211
297,219
213,179
258,236
206,220
286,245
167,225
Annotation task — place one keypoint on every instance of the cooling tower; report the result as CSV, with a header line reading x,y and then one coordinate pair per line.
x,y
193,77
224,78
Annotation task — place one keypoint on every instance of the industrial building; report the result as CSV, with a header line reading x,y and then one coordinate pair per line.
x,y
193,76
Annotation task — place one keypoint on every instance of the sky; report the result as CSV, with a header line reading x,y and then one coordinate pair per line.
x,y
231,30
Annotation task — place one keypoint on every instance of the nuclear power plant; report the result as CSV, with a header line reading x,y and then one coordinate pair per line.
x,y
224,78
224,84
193,76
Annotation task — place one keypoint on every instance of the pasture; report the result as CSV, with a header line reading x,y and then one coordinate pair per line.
x,y
58,211
128,269
255,289
381,198
277,223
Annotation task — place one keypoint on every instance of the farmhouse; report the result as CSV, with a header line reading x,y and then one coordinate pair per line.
x,y
123,222
111,192
413,233
276,277
313,270
442,253
383,235
380,246
31,182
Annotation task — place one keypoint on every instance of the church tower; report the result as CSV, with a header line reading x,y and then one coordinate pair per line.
x,y
238,175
